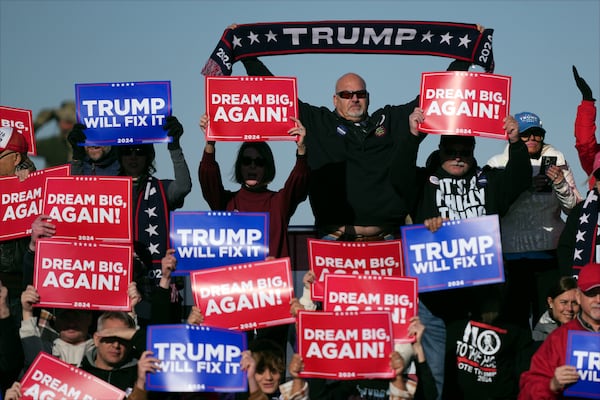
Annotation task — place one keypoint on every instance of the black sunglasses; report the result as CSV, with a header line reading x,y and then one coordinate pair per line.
x,y
133,151
348,94
537,136
258,161
454,153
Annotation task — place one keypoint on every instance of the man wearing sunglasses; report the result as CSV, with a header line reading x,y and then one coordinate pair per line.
x,y
532,226
349,152
452,187
111,358
550,373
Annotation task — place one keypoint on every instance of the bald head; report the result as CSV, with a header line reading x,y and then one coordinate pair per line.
x,y
348,103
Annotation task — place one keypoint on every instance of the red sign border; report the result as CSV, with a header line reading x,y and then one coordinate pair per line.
x,y
507,78
295,112
93,306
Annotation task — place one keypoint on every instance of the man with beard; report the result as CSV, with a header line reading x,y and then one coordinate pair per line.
x,y
452,187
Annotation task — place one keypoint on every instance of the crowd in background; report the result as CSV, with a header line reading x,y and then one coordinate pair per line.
x,y
359,171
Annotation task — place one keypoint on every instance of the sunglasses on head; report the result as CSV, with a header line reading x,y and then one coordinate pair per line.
x,y
348,94
134,151
455,153
258,161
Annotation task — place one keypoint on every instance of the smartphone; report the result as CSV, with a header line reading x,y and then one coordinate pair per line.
x,y
547,161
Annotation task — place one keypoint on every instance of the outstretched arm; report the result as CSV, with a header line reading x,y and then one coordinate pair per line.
x,y
585,125
182,185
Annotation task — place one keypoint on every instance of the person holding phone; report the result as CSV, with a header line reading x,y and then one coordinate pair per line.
x,y
532,226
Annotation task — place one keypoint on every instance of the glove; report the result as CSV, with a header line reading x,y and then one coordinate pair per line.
x,y
175,130
584,88
75,138
459,65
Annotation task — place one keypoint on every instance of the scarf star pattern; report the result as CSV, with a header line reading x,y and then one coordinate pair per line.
x,y
586,239
152,220
444,39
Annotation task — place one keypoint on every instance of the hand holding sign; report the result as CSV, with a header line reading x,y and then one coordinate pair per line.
x,y
175,130
563,376
415,118
14,392
29,297
248,365
168,264
147,364
300,132
511,126
435,223
41,228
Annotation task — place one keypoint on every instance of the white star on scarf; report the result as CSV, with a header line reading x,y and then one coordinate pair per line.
x,y
253,37
151,212
237,42
153,248
151,229
464,41
577,254
271,36
580,237
591,197
583,219
427,36
446,38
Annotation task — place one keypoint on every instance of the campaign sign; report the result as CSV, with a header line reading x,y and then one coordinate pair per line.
x,y
583,352
465,103
350,345
245,296
465,252
196,359
123,113
51,378
21,201
82,274
90,207
206,239
250,108
20,120
374,293
358,258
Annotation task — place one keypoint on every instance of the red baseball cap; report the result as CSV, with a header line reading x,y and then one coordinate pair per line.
x,y
12,140
589,277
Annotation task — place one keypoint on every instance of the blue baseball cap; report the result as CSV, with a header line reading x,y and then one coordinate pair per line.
x,y
528,120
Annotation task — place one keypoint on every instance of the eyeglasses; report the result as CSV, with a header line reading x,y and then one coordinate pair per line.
x,y
348,94
258,161
7,154
133,151
455,153
525,136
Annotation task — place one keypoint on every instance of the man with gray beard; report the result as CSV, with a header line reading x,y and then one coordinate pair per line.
x,y
451,187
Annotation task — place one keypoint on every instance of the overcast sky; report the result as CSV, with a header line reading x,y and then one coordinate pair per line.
x,y
48,46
